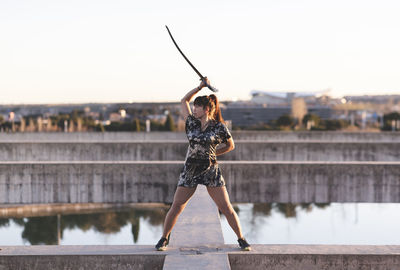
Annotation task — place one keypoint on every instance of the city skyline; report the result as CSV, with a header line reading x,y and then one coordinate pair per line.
x,y
98,51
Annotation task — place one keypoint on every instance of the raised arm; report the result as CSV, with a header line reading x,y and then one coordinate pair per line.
x,y
186,99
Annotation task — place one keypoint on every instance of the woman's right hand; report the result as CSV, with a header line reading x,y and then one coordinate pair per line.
x,y
203,83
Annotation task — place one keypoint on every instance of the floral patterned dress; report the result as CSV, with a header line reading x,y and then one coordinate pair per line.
x,y
201,165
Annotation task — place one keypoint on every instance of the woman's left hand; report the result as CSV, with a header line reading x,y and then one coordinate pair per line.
x,y
203,83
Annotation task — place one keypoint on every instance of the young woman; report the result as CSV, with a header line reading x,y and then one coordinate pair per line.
x,y
205,129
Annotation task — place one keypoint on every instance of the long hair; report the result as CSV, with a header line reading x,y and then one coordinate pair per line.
x,y
212,103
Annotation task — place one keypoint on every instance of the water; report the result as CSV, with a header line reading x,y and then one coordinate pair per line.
x,y
334,223
119,226
331,224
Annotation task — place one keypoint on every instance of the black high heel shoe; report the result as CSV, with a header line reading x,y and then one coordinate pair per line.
x,y
244,245
163,243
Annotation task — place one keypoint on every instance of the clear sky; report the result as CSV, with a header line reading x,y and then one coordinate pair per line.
x,y
119,51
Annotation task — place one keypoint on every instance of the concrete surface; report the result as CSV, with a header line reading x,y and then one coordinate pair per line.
x,y
313,151
176,150
317,257
198,236
199,224
155,181
92,262
270,257
39,210
80,257
80,182
197,262
313,182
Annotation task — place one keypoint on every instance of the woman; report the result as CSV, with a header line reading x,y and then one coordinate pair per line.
x,y
205,129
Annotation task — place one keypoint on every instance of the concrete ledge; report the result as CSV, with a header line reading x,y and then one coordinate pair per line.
x,y
155,181
314,151
94,182
197,262
103,262
176,150
198,235
316,135
313,182
237,135
270,249
270,257
79,250
38,210
80,257
316,257
199,224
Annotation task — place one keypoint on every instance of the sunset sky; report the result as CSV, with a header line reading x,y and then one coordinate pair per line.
x,y
119,51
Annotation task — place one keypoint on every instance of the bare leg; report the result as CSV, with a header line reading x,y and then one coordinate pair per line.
x,y
221,199
181,197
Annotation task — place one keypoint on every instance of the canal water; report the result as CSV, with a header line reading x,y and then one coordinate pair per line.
x,y
331,224
274,223
128,225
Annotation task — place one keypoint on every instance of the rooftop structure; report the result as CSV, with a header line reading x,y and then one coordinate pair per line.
x,y
285,98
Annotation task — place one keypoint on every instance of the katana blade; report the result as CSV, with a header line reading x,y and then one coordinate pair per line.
x,y
187,60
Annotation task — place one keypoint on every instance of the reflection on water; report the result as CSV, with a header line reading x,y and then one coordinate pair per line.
x,y
287,209
334,223
266,223
117,226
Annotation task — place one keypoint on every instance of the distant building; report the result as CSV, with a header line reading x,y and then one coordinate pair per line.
x,y
285,98
265,107
374,99
157,117
248,116
115,117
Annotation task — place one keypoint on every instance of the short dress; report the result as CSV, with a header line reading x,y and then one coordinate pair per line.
x,y
201,165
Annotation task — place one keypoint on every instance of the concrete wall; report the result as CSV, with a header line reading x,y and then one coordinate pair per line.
x,y
42,210
70,151
314,262
93,262
70,257
314,151
319,182
150,181
88,182
317,257
317,135
237,135
176,150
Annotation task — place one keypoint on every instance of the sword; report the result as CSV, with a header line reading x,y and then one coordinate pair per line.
x,y
202,78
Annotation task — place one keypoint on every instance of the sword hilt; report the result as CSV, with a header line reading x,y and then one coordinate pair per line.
x,y
212,88
209,86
